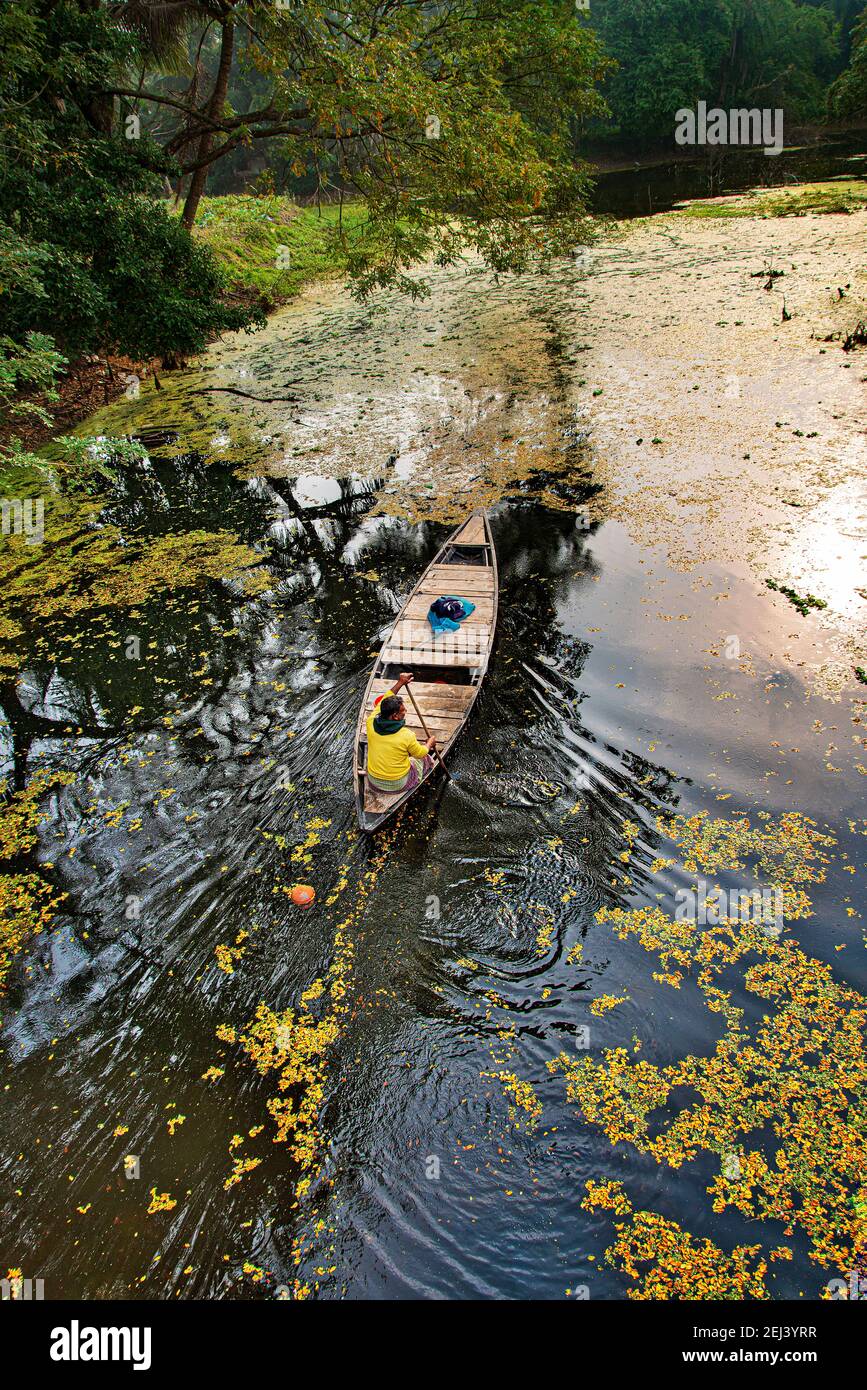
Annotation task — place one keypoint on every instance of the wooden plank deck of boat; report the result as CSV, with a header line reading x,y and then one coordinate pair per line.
x,y
443,706
444,703
472,532
413,644
479,579
412,640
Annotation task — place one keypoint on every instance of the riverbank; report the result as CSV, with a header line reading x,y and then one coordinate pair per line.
x,y
268,248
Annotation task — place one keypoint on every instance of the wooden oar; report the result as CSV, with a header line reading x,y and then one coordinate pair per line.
x,y
408,689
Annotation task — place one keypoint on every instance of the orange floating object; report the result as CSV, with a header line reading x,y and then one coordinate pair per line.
x,y
303,895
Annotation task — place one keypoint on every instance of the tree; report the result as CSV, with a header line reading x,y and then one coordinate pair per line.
x,y
848,97
729,53
452,120
87,254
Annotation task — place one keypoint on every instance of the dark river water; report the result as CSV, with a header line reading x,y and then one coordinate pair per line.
x,y
599,709
210,734
646,189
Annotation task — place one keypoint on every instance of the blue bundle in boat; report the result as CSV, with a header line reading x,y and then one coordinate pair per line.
x,y
447,613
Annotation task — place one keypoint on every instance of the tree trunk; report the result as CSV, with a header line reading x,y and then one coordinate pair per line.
x,y
215,109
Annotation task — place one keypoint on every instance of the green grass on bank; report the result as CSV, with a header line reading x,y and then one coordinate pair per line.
x,y
246,234
837,196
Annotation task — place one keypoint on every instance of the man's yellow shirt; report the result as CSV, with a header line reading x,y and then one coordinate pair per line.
x,y
388,755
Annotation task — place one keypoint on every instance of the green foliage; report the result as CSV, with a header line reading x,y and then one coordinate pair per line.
x,y
246,235
79,464
125,276
848,97
666,51
729,53
20,263
86,253
89,254
29,366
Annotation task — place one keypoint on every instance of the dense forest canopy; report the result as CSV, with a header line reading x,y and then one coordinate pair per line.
x,y
460,124
783,54
849,93
452,121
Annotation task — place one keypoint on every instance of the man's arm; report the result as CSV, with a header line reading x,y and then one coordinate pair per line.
x,y
406,678
413,747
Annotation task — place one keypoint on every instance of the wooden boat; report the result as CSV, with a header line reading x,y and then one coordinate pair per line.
x,y
448,668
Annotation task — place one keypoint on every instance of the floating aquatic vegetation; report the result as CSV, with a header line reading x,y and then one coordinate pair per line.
x,y
296,1044
803,602
228,955
669,1263
241,1165
526,1108
606,1002
799,1074
789,852
161,1201
27,900
543,918
27,906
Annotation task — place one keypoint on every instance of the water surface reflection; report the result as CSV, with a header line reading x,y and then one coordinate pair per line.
x,y
234,728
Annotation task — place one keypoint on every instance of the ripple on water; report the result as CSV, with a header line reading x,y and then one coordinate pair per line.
x,y
477,954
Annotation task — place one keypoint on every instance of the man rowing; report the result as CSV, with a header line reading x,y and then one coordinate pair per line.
x,y
395,758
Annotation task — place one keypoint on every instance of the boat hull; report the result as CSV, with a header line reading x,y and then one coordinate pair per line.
x,y
448,668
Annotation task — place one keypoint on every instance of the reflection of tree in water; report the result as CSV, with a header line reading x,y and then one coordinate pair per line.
x,y
184,495
77,677
82,673
537,550
178,642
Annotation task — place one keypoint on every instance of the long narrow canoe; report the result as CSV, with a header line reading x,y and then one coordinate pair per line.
x,y
448,668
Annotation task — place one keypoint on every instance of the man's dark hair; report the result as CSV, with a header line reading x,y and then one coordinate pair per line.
x,y
390,706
